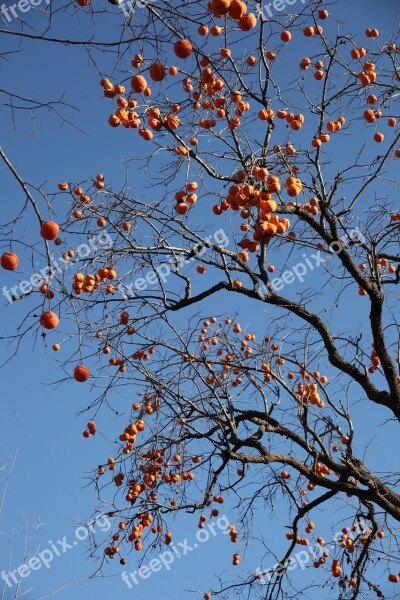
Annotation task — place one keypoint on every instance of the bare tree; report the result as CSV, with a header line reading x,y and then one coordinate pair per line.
x,y
13,583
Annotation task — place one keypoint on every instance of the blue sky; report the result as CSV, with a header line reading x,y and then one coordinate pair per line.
x,y
39,417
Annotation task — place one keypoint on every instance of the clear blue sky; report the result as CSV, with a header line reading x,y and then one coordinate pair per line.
x,y
38,417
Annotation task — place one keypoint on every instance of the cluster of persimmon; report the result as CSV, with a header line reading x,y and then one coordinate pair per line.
x,y
336,568
125,112
294,120
149,405
154,464
346,542
142,354
307,376
85,283
236,10
367,75
375,360
211,86
186,197
129,435
134,489
128,117
305,393
208,84
78,191
137,532
320,469
371,116
333,126
118,479
308,394
151,469
115,361
111,551
245,196
380,263
233,534
91,282
224,360
91,429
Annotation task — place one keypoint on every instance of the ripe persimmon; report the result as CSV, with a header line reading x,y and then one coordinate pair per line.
x,y
157,71
216,30
183,48
81,373
181,208
305,63
247,22
9,261
49,320
49,230
114,121
237,10
309,31
138,83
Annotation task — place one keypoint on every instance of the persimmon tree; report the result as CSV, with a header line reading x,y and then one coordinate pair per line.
x,y
245,309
